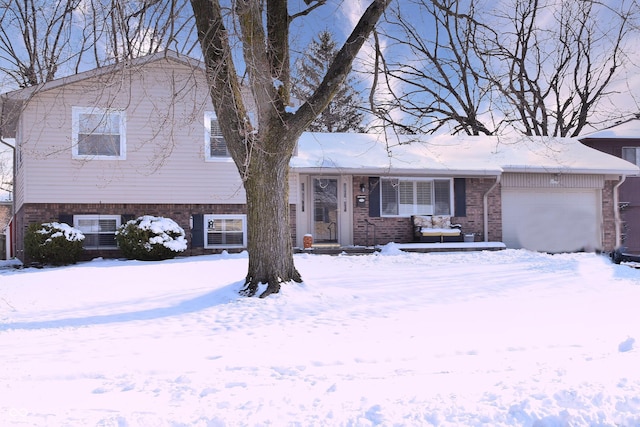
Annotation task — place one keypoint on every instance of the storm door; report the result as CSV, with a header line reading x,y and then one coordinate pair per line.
x,y
325,210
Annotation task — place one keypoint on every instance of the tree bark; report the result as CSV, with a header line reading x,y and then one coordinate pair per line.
x,y
269,229
262,150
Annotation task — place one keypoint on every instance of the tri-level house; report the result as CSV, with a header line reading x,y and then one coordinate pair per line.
x,y
98,148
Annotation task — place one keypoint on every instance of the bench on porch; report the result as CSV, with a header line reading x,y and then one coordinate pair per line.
x,y
435,229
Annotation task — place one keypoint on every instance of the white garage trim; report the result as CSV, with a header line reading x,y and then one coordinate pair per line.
x,y
552,220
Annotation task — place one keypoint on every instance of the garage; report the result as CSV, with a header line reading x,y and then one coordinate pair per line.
x,y
552,219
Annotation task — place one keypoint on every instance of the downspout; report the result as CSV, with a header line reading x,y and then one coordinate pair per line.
x,y
485,205
616,212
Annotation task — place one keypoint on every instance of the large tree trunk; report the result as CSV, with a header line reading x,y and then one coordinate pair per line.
x,y
262,148
269,234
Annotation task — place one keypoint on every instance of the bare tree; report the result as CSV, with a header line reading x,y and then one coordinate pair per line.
x,y
552,76
41,40
541,67
34,39
433,73
262,150
130,29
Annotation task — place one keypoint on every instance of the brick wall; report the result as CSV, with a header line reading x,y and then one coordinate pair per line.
x,y
180,213
398,230
608,217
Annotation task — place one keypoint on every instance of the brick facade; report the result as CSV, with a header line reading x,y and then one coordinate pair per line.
x,y
608,217
369,231
180,213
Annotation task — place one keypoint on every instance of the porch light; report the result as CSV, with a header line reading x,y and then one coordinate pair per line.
x,y
362,188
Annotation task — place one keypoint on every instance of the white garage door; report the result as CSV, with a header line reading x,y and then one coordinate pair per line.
x,y
551,220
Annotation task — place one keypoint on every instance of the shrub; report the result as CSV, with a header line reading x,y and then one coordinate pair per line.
x,y
53,243
151,238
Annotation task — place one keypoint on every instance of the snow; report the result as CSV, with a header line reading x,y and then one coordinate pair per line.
x,y
504,338
57,229
167,232
447,154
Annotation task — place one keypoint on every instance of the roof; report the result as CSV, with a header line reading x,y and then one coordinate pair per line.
x,y
11,103
627,129
448,155
100,71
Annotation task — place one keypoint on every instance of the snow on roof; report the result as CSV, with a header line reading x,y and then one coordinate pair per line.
x,y
446,155
628,129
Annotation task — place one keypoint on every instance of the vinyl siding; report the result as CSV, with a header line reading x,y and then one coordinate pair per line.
x,y
164,104
537,180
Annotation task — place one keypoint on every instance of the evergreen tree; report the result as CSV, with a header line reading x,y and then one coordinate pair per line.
x,y
343,112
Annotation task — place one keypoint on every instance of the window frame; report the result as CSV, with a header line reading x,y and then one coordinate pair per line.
x,y
75,131
636,154
402,212
118,221
211,217
208,117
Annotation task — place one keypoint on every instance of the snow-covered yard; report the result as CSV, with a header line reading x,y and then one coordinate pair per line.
x,y
508,338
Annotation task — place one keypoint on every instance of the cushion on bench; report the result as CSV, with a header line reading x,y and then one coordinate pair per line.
x,y
434,226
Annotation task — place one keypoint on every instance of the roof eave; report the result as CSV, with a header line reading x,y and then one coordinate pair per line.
x,y
573,171
397,171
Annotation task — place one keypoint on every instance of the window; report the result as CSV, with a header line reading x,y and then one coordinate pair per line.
x,y
225,231
98,133
99,230
405,197
631,154
215,147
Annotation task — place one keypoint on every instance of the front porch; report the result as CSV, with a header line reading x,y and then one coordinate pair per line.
x,y
334,249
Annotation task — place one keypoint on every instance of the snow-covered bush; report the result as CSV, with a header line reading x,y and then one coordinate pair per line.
x,y
53,243
151,238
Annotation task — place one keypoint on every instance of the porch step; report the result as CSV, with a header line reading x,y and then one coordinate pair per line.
x,y
326,245
335,249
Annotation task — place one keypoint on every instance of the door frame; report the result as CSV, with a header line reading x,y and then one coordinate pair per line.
x,y
305,208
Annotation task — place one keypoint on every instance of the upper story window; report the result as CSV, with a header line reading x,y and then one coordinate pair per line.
x,y
215,147
631,154
98,133
409,196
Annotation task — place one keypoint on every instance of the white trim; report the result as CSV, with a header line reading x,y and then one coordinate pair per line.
x,y
77,218
75,129
208,117
636,154
212,217
433,196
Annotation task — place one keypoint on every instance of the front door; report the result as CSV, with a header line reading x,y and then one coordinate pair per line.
x,y
325,210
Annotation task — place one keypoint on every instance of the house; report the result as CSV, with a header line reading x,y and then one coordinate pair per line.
x,y
538,193
623,140
5,216
103,146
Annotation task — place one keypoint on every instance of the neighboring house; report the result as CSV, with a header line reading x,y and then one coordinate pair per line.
x,y
623,140
5,217
101,147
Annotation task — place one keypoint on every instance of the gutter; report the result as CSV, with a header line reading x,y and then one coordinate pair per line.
x,y
616,211
485,206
